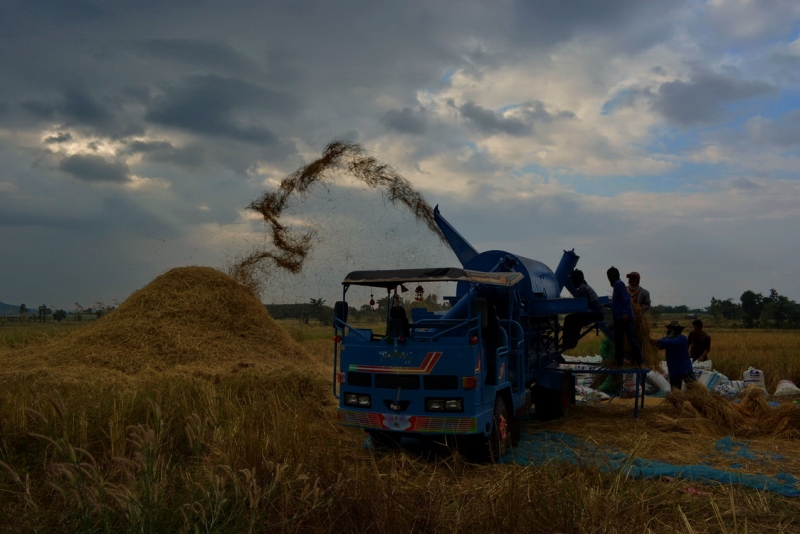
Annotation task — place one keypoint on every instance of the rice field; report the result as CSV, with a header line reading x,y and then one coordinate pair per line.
x,y
256,448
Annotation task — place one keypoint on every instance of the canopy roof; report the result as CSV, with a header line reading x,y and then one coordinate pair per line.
x,y
394,277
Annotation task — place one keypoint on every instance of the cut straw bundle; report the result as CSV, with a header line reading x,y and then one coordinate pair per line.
x,y
699,410
641,326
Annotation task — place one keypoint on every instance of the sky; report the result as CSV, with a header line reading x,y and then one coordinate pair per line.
x,y
658,137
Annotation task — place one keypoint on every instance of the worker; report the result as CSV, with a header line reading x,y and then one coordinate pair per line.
x,y
639,295
699,342
622,311
679,365
575,321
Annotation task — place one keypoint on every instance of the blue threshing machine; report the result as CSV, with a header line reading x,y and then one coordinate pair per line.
x,y
466,375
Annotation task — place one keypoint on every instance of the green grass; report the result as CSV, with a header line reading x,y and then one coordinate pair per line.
x,y
13,335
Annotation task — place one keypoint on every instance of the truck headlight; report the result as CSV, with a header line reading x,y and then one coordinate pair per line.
x,y
434,405
364,401
454,405
351,399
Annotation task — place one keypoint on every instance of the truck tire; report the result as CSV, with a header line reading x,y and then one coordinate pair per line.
x,y
480,448
500,439
553,404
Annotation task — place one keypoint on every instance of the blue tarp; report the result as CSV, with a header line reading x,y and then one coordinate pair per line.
x,y
539,448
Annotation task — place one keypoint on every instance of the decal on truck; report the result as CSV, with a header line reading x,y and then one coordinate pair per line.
x,y
425,367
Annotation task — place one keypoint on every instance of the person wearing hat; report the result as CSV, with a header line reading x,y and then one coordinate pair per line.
x,y
679,365
639,295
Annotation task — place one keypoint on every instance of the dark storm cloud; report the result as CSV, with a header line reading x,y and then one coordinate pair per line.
x,y
489,122
702,99
547,22
221,107
189,156
90,168
60,137
78,108
405,121
526,116
192,52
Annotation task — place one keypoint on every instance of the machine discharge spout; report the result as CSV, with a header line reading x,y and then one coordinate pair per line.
x,y
567,264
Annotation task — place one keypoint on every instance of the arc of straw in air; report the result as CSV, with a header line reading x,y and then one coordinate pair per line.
x,y
290,248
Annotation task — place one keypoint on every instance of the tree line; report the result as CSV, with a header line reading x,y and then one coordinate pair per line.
x,y
756,310
46,313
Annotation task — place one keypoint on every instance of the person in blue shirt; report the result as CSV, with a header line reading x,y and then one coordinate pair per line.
x,y
679,364
575,321
622,311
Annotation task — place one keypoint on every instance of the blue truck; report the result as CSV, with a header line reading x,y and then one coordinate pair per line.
x,y
465,376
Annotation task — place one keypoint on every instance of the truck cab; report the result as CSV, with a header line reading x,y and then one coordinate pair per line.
x,y
437,375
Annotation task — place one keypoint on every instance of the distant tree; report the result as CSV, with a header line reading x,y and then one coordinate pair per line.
x,y
752,305
23,310
78,312
59,315
723,308
655,314
778,310
319,311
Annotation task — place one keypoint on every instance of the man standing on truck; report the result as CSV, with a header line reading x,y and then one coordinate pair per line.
x,y
639,295
622,311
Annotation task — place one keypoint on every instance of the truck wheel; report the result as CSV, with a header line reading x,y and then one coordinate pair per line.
x,y
384,440
500,438
551,404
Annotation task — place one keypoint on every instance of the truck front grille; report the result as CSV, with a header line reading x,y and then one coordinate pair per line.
x,y
396,381
354,378
440,382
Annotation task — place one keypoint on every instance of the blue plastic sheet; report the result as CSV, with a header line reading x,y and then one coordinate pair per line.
x,y
539,448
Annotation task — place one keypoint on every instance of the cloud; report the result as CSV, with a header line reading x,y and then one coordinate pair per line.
x,y
783,132
489,122
702,99
78,108
88,168
60,137
193,52
189,156
405,121
221,107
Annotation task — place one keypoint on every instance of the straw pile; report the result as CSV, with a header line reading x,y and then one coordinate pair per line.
x,y
190,318
700,411
641,326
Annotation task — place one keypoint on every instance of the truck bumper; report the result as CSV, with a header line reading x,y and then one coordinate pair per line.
x,y
408,423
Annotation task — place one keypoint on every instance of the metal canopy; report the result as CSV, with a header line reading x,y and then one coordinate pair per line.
x,y
394,277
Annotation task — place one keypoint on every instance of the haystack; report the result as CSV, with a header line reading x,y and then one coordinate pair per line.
x,y
190,318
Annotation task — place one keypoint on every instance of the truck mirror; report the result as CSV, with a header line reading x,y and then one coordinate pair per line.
x,y
340,312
